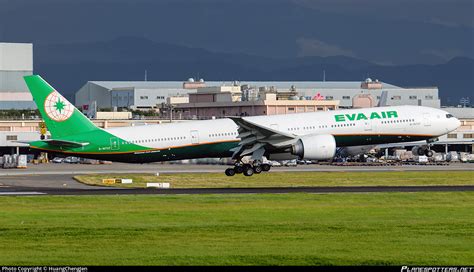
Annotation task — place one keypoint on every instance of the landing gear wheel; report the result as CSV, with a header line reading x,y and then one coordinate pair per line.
x,y
248,170
429,153
266,167
230,172
238,169
257,169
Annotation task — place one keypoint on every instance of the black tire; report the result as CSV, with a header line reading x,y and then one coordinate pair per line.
x,y
266,167
239,169
257,169
229,172
429,153
248,171
420,152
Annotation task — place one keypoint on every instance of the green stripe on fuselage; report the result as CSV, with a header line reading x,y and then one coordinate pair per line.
x,y
144,155
99,141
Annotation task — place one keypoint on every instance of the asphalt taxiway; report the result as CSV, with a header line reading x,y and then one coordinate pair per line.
x,y
19,191
57,179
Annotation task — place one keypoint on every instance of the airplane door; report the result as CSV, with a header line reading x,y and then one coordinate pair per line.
x,y
194,136
114,144
367,125
426,119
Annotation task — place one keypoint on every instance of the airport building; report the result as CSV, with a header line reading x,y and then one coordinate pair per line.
x,y
132,94
222,101
150,95
16,61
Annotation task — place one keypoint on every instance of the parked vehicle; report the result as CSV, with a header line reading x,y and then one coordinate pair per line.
x,y
71,160
275,163
304,161
57,160
289,163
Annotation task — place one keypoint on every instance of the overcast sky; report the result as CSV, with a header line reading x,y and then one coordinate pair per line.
x,y
382,31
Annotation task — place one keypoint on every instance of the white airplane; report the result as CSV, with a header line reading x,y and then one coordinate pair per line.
x,y
311,136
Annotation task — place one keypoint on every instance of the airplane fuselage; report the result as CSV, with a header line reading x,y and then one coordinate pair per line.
x,y
216,138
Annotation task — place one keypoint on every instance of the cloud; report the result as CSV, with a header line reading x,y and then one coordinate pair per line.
x,y
314,47
452,13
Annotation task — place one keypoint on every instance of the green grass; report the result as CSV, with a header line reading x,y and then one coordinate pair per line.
x,y
291,179
282,229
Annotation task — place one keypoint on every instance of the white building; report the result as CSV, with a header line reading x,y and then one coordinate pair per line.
x,y
129,94
16,61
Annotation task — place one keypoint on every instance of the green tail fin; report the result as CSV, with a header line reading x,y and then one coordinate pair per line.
x,y
60,116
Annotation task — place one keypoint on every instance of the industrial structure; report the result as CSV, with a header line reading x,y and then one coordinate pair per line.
x,y
16,61
131,94
222,101
150,95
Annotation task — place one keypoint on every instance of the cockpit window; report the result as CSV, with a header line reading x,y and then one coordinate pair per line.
x,y
449,115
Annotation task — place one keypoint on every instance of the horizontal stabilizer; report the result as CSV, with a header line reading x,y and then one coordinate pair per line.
x,y
63,143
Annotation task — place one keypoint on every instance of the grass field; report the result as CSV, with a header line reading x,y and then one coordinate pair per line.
x,y
292,179
261,229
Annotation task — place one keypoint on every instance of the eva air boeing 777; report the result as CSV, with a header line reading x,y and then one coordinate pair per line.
x,y
311,136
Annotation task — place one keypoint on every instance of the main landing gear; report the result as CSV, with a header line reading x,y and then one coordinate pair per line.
x,y
248,169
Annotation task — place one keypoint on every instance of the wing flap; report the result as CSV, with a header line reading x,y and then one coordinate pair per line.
x,y
252,128
255,137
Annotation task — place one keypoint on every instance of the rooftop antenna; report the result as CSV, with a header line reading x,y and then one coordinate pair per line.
x,y
146,75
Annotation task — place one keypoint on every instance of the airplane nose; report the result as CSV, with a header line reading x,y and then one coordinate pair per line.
x,y
454,124
457,123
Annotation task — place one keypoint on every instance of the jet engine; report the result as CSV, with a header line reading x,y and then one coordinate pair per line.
x,y
315,147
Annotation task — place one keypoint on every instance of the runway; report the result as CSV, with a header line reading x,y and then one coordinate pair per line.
x,y
57,179
26,191
125,168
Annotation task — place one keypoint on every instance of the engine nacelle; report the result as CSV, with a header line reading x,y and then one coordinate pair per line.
x,y
315,147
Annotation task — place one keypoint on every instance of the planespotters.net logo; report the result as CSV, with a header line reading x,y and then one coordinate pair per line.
x,y
437,269
57,107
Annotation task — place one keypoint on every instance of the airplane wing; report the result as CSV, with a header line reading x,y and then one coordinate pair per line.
x,y
256,138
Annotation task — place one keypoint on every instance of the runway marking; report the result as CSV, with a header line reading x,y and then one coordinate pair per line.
x,y
22,193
